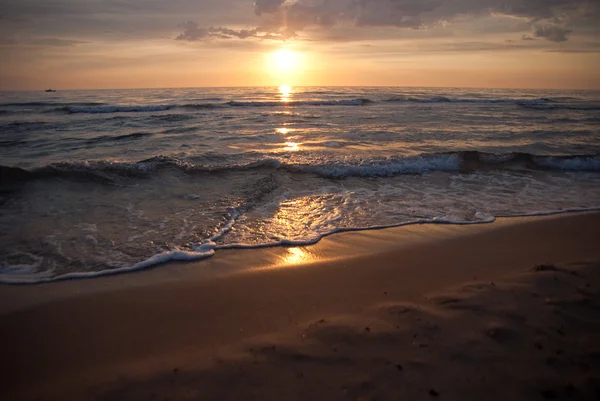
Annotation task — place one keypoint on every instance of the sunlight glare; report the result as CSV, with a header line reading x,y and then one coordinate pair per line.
x,y
285,60
292,146
284,91
296,255
284,67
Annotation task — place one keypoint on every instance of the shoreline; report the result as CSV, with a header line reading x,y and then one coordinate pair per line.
x,y
208,250
72,336
228,261
234,261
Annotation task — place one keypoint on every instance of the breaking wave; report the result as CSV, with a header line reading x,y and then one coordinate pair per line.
x,y
542,103
460,162
113,109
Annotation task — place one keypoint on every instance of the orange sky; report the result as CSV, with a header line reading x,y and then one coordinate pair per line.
x,y
148,43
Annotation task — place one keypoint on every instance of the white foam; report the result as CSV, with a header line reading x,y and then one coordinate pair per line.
x,y
118,109
347,102
313,240
552,212
591,163
27,274
410,165
496,158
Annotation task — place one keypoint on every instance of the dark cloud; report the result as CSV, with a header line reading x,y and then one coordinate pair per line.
x,y
552,33
267,6
192,32
229,33
39,42
287,19
55,42
118,20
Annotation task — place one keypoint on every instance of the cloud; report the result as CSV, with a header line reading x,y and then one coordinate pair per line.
x,y
526,37
192,32
267,6
552,33
573,51
399,13
43,42
287,19
229,33
55,42
119,20
7,41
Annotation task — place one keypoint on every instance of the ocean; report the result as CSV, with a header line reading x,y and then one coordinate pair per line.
x,y
109,181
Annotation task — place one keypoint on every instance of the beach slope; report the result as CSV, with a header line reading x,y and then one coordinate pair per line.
x,y
509,310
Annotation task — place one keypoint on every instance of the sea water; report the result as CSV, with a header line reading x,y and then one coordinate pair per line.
x,y
101,182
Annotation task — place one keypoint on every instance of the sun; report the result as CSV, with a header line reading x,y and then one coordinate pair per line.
x,y
285,67
285,60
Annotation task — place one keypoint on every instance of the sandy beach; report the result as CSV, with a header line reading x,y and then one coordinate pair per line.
x,y
501,311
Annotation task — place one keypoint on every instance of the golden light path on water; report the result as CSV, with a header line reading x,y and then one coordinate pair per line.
x,y
296,255
285,92
291,145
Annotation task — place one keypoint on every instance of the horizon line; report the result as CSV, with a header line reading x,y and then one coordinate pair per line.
x,y
301,86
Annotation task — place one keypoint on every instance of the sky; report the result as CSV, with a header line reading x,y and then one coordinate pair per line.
x,y
89,44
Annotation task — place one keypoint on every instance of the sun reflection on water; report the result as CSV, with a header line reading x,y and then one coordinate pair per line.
x,y
296,255
285,92
290,141
292,146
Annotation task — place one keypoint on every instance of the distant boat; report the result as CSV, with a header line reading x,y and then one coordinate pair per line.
x,y
50,90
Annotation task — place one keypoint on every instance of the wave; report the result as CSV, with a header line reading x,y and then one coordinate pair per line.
x,y
444,99
463,162
345,102
21,126
200,106
113,109
105,171
575,107
28,274
118,138
542,103
25,275
591,163
474,160
50,104
13,143
385,168
104,109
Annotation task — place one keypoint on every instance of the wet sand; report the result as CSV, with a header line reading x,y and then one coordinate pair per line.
x,y
417,312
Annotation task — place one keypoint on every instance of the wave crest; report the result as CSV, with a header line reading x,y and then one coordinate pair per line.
x,y
542,103
104,171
